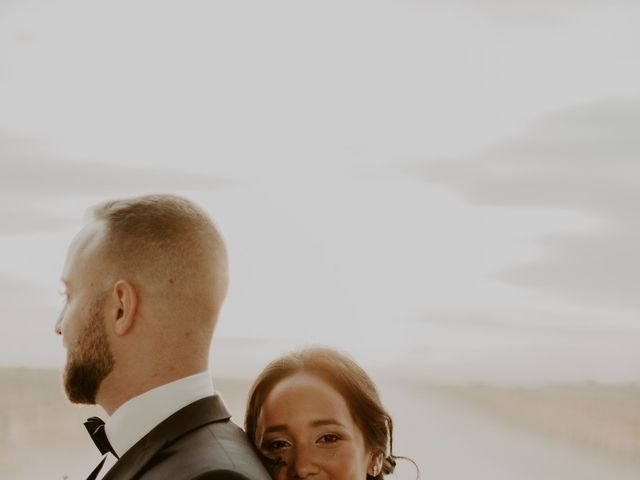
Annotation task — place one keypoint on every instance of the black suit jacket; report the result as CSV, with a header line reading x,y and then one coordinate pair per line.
x,y
198,442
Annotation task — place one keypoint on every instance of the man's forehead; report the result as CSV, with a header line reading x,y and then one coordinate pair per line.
x,y
85,242
88,232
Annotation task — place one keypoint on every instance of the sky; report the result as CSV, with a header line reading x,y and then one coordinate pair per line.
x,y
446,190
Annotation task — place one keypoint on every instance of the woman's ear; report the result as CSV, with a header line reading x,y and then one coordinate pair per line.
x,y
126,299
375,465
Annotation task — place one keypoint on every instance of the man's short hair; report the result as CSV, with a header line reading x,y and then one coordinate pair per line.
x,y
167,242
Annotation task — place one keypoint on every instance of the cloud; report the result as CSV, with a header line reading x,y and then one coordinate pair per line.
x,y
11,287
585,159
25,170
19,220
540,11
31,180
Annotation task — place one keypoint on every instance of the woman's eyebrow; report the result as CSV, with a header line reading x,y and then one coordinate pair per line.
x,y
313,423
328,421
275,428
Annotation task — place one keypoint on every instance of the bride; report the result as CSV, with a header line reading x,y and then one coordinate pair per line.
x,y
316,412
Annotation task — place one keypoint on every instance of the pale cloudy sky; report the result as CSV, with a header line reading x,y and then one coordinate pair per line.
x,y
449,188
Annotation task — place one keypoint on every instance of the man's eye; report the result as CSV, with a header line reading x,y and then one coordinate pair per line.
x,y
329,438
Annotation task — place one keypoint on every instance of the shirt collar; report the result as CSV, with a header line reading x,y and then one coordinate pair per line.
x,y
137,417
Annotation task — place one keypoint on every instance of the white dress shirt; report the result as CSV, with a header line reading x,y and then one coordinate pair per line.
x,y
138,416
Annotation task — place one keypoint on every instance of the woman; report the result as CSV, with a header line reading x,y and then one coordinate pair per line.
x,y
316,412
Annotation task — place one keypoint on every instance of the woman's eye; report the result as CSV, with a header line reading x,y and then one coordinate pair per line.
x,y
276,445
329,438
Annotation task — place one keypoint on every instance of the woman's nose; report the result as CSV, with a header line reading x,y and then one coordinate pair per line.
x,y
302,464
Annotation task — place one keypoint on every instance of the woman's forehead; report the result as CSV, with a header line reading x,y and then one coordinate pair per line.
x,y
302,396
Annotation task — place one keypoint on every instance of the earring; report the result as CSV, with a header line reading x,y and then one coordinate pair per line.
x,y
375,471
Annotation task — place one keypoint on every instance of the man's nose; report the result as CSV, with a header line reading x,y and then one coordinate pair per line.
x,y
58,325
302,463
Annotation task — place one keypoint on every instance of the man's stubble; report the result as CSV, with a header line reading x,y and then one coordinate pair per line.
x,y
89,363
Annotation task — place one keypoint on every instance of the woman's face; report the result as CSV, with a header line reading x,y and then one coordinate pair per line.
x,y
306,423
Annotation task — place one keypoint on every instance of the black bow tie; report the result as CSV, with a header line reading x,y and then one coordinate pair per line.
x,y
95,427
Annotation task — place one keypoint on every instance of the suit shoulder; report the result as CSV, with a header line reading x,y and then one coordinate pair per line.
x,y
222,475
219,450
228,437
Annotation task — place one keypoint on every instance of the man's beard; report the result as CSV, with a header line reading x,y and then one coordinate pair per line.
x,y
91,360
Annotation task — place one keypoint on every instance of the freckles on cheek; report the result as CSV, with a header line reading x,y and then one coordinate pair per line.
x,y
338,461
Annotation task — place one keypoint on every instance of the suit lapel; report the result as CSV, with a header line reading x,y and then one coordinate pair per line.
x,y
195,415
95,471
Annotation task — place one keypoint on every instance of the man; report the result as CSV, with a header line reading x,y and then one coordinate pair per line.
x,y
145,280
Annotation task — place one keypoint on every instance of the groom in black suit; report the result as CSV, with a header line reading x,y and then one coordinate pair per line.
x,y
144,281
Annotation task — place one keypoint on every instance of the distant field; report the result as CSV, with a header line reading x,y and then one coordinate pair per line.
x,y
602,418
568,432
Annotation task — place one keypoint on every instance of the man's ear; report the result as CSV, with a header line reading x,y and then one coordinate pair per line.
x,y
126,299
